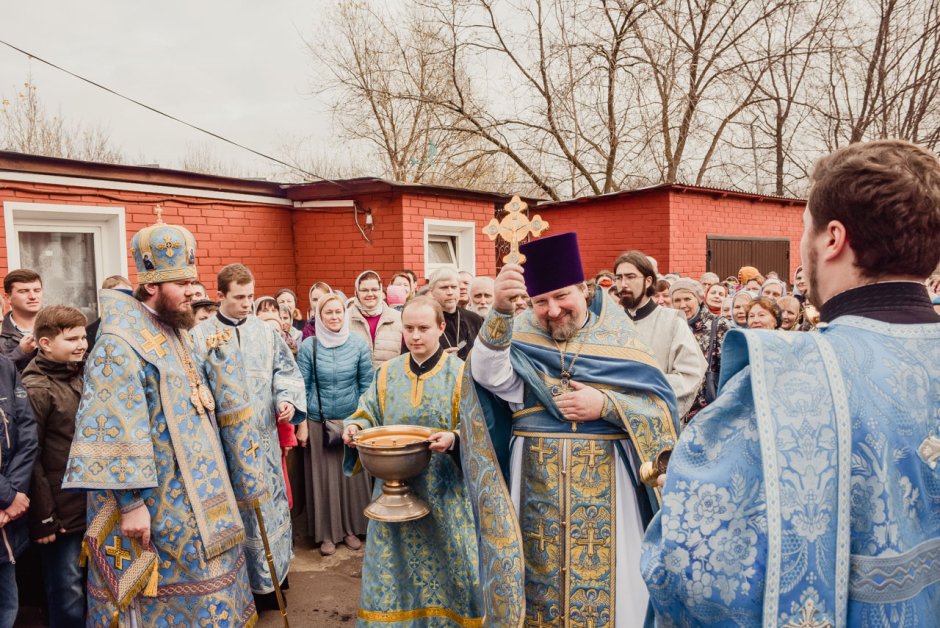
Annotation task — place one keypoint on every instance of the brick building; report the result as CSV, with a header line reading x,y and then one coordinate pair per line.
x,y
73,221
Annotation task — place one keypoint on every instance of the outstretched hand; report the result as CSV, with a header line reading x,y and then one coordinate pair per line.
x,y
348,434
441,441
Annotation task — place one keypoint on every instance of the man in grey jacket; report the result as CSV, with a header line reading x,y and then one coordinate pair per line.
x,y
663,329
24,290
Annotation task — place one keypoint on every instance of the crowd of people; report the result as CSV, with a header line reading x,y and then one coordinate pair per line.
x,y
150,447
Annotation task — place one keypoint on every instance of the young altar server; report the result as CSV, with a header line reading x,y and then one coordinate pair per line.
x,y
420,572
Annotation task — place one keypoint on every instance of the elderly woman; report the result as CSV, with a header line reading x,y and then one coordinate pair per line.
x,y
709,330
763,313
790,308
372,319
337,367
773,288
287,297
739,308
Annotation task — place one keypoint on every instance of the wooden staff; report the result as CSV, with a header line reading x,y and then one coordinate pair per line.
x,y
267,554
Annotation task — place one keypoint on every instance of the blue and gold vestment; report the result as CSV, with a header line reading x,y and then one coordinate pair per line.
x,y
272,377
147,430
424,572
807,494
573,486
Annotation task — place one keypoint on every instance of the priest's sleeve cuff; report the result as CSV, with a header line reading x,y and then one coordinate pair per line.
x,y
496,332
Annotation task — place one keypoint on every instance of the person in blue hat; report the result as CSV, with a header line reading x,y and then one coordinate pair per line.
x,y
164,446
575,403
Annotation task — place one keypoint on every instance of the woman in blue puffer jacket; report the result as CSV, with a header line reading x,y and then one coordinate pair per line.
x,y
340,365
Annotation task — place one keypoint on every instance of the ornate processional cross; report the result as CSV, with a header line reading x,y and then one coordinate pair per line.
x,y
515,227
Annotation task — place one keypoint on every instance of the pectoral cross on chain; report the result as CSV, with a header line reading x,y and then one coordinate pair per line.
x,y
929,451
514,228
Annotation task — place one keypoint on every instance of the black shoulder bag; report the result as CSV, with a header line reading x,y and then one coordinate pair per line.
x,y
711,377
332,433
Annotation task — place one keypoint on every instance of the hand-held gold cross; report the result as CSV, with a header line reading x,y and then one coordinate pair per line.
x,y
514,228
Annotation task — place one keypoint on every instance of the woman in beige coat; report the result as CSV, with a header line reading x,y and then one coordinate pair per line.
x,y
372,319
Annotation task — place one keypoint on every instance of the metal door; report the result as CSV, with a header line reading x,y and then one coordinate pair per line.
x,y
727,254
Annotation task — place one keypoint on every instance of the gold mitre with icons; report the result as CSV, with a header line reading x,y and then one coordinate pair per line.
x,y
164,252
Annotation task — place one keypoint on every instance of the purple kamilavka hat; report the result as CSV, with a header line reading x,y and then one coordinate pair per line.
x,y
552,263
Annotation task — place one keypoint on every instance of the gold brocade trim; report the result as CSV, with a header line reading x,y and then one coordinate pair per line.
x,y
252,621
382,385
419,613
85,449
527,411
569,435
231,419
455,404
163,276
417,383
590,348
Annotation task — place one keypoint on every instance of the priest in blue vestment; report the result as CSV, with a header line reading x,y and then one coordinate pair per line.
x,y
573,404
808,494
164,446
423,572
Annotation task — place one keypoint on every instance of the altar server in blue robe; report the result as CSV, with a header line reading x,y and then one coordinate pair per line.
x,y
423,572
808,494
276,390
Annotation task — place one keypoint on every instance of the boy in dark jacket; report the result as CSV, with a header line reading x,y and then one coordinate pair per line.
x,y
56,517
17,453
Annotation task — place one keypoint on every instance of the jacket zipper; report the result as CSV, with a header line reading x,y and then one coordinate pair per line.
x,y
6,432
6,542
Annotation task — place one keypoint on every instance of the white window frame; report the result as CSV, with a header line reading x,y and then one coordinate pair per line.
x,y
106,223
464,234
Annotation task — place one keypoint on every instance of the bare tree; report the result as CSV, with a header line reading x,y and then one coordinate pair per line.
x,y
27,127
884,74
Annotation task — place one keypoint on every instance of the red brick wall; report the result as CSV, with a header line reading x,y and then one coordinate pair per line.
x,y
329,247
608,227
418,207
672,226
696,215
259,236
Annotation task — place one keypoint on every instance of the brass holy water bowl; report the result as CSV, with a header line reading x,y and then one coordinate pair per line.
x,y
395,454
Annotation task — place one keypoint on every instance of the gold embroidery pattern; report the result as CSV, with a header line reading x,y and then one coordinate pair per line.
x,y
419,613
568,505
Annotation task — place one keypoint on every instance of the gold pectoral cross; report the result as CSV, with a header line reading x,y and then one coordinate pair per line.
x,y
514,228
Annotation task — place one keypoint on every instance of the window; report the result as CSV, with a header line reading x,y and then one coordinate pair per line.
x,y
449,243
72,247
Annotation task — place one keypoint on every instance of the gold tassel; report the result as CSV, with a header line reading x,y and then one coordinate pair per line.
x,y
151,590
83,557
230,419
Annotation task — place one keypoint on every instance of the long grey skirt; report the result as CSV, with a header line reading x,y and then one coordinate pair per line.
x,y
334,501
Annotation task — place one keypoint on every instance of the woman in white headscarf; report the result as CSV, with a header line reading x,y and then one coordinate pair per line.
x,y
337,368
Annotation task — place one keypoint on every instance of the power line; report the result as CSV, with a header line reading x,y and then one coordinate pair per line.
x,y
170,116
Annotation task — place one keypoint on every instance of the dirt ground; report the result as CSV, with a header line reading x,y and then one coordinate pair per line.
x,y
324,591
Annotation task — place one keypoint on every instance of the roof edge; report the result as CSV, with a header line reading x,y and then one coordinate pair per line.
x,y
672,187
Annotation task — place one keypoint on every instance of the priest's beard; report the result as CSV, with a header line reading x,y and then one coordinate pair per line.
x,y
630,303
177,318
563,330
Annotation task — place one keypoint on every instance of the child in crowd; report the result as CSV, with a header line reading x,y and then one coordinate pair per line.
x,y
17,454
53,381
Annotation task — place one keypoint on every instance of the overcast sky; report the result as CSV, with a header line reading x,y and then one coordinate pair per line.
x,y
239,68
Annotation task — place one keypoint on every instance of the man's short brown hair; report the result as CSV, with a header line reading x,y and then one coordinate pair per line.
x,y
20,275
234,274
54,319
642,264
114,280
887,194
427,302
